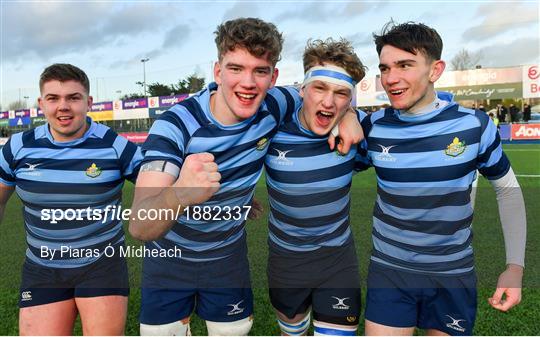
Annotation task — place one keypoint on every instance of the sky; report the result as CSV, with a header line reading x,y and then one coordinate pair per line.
x,y
108,39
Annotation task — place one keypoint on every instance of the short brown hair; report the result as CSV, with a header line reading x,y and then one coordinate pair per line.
x,y
255,35
340,53
64,72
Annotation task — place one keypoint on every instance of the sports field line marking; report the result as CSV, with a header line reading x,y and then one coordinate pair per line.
x,y
528,175
521,150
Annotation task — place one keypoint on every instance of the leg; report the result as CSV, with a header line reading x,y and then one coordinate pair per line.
x,y
227,312
166,312
178,328
336,311
451,308
295,326
337,301
293,309
103,315
235,328
391,306
435,332
48,319
375,329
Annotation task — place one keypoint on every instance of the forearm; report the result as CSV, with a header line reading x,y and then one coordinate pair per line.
x,y
168,208
513,217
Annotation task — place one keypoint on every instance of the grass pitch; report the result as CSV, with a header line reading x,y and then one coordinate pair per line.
x,y
488,245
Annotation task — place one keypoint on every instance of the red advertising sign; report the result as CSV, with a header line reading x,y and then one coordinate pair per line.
x,y
525,131
135,137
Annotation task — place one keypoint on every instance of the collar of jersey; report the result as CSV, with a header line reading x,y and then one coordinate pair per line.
x,y
75,141
442,95
205,105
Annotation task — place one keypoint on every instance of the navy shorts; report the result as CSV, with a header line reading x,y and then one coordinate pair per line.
x,y
218,290
42,285
403,299
327,280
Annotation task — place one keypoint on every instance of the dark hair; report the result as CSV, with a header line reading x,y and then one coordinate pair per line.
x,y
340,53
411,37
255,35
64,72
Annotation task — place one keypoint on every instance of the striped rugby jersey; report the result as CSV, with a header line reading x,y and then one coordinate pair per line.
x,y
308,187
425,167
239,150
85,174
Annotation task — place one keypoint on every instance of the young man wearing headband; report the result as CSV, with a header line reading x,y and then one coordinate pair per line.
x,y
312,263
203,158
426,150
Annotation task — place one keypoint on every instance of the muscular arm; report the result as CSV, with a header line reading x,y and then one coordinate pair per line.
x,y
5,193
197,182
514,225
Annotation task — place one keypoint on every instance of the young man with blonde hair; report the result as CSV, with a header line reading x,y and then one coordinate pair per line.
x,y
312,265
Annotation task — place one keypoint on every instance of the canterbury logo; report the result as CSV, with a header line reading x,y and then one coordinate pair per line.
x,y
26,296
455,324
235,308
340,305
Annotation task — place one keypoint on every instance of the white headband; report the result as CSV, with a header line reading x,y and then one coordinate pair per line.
x,y
329,73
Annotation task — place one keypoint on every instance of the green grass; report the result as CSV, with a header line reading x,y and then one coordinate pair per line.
x,y
488,245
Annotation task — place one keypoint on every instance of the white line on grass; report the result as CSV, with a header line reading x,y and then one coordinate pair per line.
x,y
521,150
528,175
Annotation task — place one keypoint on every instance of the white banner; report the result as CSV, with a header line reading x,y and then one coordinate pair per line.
x,y
465,78
531,81
130,114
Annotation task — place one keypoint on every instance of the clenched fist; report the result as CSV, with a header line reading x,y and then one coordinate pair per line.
x,y
199,179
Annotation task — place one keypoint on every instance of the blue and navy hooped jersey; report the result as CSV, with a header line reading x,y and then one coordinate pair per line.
x,y
65,188
425,167
308,187
239,150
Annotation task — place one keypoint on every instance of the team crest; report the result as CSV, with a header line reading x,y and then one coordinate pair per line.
x,y
455,148
261,144
93,171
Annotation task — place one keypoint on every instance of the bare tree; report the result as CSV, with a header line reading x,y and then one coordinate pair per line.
x,y
465,60
17,105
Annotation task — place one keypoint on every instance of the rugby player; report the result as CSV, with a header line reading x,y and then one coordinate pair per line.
x,y
203,158
72,163
312,265
426,149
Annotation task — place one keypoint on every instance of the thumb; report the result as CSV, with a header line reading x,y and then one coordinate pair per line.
x,y
331,141
497,296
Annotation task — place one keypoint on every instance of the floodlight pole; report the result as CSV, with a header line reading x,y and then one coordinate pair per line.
x,y
144,60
